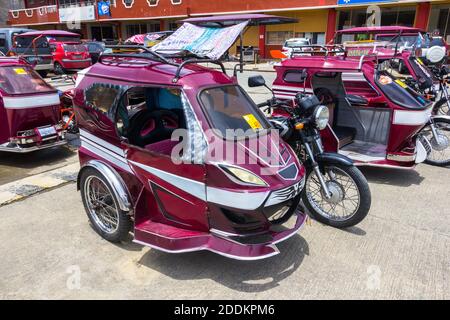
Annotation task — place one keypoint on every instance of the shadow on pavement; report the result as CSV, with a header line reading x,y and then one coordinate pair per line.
x,y
244,276
396,177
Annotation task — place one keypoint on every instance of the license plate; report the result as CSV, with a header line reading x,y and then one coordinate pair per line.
x,y
34,59
44,132
77,56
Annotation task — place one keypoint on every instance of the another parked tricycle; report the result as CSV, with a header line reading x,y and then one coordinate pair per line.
x,y
158,158
29,109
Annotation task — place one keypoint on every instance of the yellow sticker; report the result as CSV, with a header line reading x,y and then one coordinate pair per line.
x,y
20,71
252,121
401,84
420,61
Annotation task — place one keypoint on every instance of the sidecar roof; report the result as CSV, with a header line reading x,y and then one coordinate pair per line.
x,y
378,30
325,63
253,19
55,33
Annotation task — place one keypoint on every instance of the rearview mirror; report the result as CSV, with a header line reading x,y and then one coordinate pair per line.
x,y
256,81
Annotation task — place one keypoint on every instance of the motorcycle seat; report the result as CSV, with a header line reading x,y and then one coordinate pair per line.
x,y
356,100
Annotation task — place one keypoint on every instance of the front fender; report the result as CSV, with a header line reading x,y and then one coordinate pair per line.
x,y
115,180
333,158
441,117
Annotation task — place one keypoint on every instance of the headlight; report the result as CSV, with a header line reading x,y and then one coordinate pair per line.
x,y
244,176
321,117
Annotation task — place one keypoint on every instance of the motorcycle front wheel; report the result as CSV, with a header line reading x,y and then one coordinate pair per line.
x,y
350,199
440,145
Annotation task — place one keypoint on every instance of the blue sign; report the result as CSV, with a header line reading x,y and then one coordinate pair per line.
x,y
104,8
353,2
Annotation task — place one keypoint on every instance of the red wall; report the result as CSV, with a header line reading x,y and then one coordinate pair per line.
x,y
422,15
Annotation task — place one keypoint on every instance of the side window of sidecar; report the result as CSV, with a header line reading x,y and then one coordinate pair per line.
x,y
102,97
295,76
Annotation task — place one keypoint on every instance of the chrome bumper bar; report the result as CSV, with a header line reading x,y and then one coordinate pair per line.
x,y
19,149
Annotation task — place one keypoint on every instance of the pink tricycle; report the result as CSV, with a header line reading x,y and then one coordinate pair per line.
x,y
178,192
375,119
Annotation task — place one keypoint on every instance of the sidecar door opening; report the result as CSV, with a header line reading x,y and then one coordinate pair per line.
x,y
175,191
362,130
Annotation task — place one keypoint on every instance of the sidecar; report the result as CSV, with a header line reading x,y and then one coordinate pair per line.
x,y
157,160
374,118
29,109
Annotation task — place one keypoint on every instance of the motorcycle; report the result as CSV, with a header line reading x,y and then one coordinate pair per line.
x,y
336,192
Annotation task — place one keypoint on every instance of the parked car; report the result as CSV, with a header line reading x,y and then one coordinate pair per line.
x,y
95,48
53,50
7,36
295,44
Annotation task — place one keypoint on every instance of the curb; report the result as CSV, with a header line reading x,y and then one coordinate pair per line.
x,y
26,187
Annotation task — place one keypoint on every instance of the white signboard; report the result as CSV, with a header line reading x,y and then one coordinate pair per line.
x,y
202,41
76,14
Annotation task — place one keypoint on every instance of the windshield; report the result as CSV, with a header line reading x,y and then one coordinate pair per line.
x,y
22,79
400,93
296,43
404,41
228,108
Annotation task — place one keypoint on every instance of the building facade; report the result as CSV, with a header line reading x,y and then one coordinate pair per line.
x,y
318,19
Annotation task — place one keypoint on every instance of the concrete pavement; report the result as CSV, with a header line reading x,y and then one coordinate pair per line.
x,y
399,252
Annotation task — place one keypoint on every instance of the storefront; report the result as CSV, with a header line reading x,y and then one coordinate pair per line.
x,y
439,22
392,14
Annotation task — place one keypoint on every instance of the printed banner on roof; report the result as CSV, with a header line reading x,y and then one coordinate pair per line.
x,y
204,42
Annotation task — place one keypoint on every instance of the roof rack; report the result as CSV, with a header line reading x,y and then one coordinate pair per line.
x,y
158,57
191,61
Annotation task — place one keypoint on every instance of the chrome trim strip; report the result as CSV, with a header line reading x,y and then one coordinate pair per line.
x,y
118,185
276,251
19,149
116,160
101,142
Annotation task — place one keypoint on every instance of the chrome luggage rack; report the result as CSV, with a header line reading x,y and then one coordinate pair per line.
x,y
186,58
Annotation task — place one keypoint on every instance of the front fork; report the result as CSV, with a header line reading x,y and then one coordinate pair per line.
x,y
315,165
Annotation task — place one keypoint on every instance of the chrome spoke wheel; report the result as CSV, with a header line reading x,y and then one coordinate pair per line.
x,y
101,205
345,198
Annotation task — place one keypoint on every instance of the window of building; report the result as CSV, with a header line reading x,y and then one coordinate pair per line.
x,y
133,29
278,37
390,16
439,22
